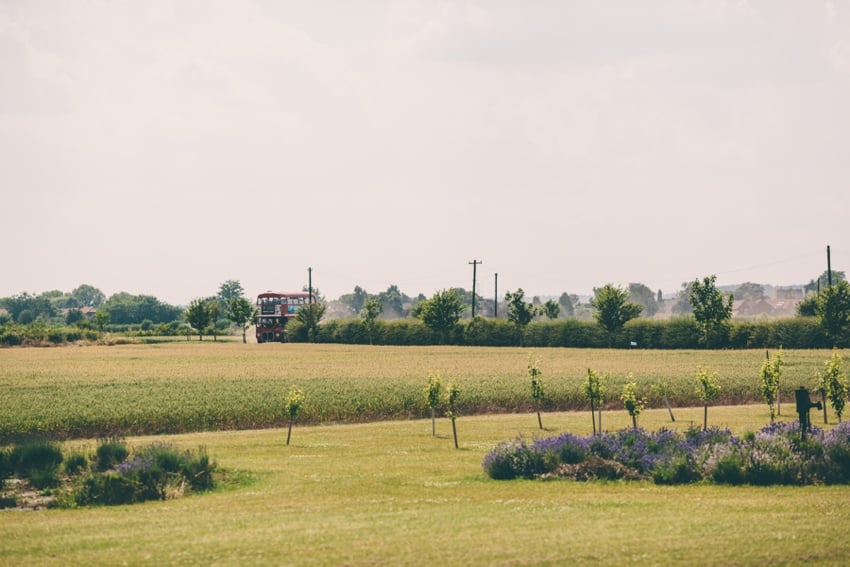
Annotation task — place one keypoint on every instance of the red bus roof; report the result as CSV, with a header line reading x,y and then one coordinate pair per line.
x,y
284,294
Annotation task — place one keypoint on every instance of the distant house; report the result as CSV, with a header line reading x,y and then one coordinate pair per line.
x,y
748,308
790,293
764,308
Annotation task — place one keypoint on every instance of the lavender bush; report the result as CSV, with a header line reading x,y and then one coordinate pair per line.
x,y
776,454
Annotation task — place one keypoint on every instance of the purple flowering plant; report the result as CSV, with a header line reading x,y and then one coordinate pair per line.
x,y
776,454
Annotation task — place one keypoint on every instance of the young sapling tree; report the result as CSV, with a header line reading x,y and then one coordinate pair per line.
x,y
706,390
594,389
836,383
452,392
770,374
632,403
537,392
432,397
293,403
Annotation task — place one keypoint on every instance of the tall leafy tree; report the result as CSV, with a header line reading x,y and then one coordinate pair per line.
x,y
520,312
641,295
198,315
87,295
393,300
356,300
370,312
833,311
441,313
126,309
711,311
309,316
551,309
26,307
682,303
57,299
231,289
750,291
567,303
809,306
613,309
214,309
241,313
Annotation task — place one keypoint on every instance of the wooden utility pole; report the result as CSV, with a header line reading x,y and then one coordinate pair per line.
x,y
474,265
496,299
828,268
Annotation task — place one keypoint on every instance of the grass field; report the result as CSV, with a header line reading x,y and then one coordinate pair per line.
x,y
391,494
388,493
190,386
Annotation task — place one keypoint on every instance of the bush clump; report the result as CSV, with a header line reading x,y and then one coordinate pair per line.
x,y
38,462
115,475
157,472
110,453
776,454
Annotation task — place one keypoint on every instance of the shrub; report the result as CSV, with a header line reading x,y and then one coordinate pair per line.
x,y
75,464
729,469
776,454
157,472
568,449
513,460
836,445
106,489
110,453
6,468
679,469
38,462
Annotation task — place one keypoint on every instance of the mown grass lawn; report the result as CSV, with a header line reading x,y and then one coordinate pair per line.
x,y
389,493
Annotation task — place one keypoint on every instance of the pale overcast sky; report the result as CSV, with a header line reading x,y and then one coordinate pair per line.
x,y
164,147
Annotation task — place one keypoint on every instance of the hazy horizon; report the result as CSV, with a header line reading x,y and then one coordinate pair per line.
x,y
164,148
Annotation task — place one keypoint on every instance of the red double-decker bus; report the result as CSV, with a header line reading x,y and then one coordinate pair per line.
x,y
274,310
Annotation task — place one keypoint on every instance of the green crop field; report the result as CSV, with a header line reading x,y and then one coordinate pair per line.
x,y
180,387
351,490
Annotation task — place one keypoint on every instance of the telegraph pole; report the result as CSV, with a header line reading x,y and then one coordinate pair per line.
x,y
474,265
310,283
496,300
828,269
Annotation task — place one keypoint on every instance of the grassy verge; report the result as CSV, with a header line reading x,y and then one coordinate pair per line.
x,y
389,493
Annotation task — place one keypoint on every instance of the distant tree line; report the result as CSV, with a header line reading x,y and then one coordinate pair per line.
x,y
704,320
56,317
614,317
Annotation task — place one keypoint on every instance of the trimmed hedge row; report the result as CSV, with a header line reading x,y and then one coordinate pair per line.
x,y
676,333
39,334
